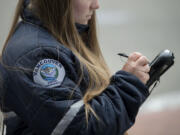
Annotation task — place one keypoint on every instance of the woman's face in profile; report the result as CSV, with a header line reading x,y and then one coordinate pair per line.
x,y
83,10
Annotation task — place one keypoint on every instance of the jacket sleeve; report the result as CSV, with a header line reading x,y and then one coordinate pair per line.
x,y
116,107
43,108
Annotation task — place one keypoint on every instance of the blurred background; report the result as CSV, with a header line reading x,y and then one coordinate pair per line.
x,y
146,26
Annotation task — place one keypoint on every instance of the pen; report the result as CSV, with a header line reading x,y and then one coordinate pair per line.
x,y
126,56
123,55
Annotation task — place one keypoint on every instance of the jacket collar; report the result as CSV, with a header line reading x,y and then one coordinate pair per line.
x,y
28,16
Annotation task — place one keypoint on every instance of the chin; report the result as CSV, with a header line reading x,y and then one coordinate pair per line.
x,y
85,23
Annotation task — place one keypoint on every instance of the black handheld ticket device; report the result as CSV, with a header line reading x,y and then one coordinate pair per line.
x,y
162,62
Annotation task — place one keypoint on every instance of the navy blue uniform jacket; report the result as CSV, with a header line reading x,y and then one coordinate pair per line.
x,y
38,110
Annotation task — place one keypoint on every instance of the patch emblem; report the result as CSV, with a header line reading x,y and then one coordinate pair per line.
x,y
49,73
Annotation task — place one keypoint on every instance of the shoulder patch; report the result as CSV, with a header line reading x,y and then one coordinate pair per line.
x,y
49,73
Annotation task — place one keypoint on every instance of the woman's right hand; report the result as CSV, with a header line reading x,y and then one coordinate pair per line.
x,y
138,65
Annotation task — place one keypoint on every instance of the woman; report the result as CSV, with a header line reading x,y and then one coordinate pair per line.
x,y
55,79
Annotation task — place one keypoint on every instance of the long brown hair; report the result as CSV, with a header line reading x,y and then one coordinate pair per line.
x,y
57,17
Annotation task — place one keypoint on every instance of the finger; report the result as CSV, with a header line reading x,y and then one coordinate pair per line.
x,y
142,61
145,68
144,77
134,56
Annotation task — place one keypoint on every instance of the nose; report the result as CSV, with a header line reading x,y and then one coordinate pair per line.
x,y
95,4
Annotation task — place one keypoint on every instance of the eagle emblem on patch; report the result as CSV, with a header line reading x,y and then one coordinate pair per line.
x,y
49,73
